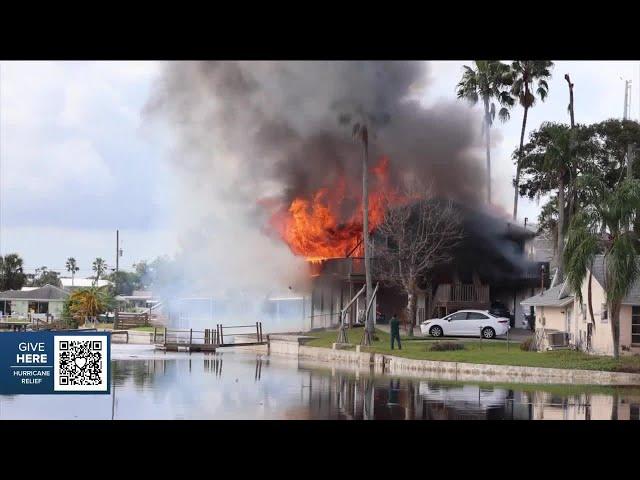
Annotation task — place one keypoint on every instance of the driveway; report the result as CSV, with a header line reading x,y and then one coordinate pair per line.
x,y
515,334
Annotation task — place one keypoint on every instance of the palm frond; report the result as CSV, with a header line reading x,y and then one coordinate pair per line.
x,y
581,248
622,268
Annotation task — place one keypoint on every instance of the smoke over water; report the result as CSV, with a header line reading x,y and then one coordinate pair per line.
x,y
252,137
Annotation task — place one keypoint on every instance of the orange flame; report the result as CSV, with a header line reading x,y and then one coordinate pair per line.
x,y
312,227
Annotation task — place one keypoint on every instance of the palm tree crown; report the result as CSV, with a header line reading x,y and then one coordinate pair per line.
x,y
487,81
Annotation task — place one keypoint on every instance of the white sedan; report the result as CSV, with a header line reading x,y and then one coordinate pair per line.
x,y
466,323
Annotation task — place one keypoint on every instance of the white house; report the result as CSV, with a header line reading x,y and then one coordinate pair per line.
x,y
43,301
558,311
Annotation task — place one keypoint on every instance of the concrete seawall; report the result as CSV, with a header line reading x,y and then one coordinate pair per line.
x,y
292,345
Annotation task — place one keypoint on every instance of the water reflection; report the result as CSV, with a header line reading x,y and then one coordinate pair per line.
x,y
261,387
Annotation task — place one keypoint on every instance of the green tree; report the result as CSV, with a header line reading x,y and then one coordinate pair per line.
x,y
525,74
145,272
99,266
486,82
44,276
125,282
72,268
552,160
88,303
12,276
602,226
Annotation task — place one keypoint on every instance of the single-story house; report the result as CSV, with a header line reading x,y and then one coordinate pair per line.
x,y
39,302
558,311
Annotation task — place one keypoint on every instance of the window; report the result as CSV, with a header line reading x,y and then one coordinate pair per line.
x,y
635,325
604,315
458,316
584,313
634,411
38,307
476,316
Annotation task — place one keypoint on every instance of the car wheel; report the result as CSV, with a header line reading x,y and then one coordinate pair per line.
x,y
435,331
488,332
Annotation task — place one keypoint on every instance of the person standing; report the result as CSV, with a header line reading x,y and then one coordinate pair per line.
x,y
394,325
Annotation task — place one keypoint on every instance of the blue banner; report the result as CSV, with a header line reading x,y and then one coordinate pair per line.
x,y
55,362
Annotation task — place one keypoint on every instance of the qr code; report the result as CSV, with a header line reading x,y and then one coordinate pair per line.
x,y
80,363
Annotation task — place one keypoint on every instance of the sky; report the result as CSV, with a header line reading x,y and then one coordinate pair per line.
x,y
77,161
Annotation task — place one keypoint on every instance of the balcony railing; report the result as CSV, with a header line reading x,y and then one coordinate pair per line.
x,y
462,293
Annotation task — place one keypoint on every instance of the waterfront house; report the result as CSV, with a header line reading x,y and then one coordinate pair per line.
x,y
561,320
37,302
495,261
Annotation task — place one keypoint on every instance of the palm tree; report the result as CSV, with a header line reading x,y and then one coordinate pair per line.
x,y
525,73
12,276
99,266
603,227
361,120
487,82
88,303
72,268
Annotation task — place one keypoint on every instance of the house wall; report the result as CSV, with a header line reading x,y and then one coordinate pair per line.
x,y
602,340
551,318
19,307
55,308
626,347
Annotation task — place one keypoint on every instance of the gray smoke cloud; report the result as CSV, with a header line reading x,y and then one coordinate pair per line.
x,y
247,131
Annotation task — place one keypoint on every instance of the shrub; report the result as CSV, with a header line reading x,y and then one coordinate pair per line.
x,y
446,346
529,345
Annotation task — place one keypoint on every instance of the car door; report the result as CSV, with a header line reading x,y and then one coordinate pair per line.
x,y
455,324
475,320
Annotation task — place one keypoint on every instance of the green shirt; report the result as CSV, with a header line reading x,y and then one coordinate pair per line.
x,y
394,324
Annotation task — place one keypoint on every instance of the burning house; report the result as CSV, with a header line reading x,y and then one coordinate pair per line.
x,y
488,265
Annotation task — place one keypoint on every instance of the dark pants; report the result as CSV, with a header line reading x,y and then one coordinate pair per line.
x,y
396,336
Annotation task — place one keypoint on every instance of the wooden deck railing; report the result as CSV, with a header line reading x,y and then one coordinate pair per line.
x,y
462,293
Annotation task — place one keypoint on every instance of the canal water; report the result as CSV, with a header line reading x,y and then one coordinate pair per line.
x,y
242,385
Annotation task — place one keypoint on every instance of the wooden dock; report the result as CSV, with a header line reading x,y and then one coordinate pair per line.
x,y
207,340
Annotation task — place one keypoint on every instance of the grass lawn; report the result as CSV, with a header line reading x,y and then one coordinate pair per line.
x,y
488,352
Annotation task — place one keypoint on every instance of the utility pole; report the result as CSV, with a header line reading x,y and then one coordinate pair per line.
x,y
118,255
627,100
117,249
626,116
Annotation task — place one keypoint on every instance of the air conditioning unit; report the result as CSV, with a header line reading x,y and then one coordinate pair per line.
x,y
557,339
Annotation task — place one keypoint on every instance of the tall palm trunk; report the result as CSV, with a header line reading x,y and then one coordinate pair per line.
x,y
487,135
368,336
615,327
561,209
517,181
560,247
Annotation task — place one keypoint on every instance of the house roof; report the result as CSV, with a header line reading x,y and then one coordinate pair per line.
x,y
559,296
554,297
632,298
82,282
48,292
